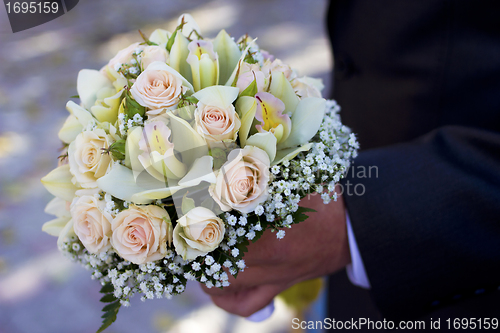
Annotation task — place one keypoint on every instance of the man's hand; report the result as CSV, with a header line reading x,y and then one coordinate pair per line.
x,y
310,249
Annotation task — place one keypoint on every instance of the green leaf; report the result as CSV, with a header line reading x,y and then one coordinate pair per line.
x,y
251,90
108,298
132,107
299,215
146,40
112,307
171,40
118,149
191,99
107,288
107,322
75,96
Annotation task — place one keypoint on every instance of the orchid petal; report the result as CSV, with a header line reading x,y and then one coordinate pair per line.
x,y
219,96
228,54
88,83
189,25
282,89
305,122
209,71
65,234
204,64
270,113
84,117
178,55
154,194
186,140
265,141
106,108
160,36
58,183
246,107
201,171
240,61
57,207
70,129
55,226
121,183
289,153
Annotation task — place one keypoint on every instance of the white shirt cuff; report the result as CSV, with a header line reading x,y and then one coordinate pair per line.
x,y
355,270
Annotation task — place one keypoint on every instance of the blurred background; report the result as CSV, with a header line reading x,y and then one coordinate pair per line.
x,y
42,291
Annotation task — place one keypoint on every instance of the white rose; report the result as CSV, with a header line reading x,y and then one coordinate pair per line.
x,y
157,89
87,162
242,182
123,56
216,123
198,232
141,233
307,87
91,223
152,53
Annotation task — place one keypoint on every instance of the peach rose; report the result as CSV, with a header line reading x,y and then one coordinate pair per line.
x,y
152,53
242,182
86,159
197,233
141,233
91,223
157,89
216,123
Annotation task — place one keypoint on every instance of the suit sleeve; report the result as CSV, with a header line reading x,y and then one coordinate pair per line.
x,y
426,216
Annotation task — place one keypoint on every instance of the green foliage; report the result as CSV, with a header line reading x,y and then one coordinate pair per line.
x,y
251,90
111,309
132,107
146,40
171,40
300,215
117,148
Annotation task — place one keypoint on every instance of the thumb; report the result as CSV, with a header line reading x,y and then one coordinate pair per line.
x,y
248,301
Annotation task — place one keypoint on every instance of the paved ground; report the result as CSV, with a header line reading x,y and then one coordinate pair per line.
x,y
40,291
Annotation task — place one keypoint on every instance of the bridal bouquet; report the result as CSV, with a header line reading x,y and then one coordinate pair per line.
x,y
181,152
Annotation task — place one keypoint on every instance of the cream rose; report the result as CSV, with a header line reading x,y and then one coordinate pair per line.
x,y
87,162
242,182
197,233
152,53
141,233
124,56
215,123
91,223
157,89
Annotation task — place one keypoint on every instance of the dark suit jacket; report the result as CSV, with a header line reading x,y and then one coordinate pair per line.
x,y
419,82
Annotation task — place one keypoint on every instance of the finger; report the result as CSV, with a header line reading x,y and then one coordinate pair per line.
x,y
246,302
251,277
